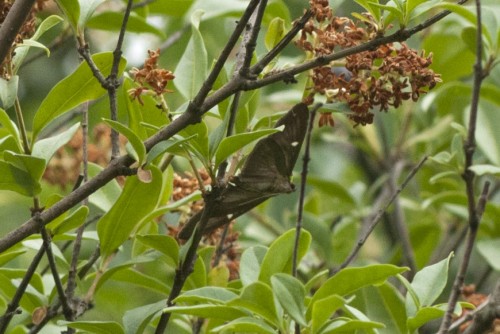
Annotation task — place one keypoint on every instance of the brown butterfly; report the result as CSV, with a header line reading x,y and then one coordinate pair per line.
x,y
265,173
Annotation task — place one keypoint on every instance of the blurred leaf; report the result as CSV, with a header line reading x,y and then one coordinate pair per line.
x,y
488,138
229,145
97,327
485,169
291,294
7,256
275,32
345,325
258,298
331,188
8,91
191,71
278,258
78,87
112,21
46,148
131,276
134,139
32,166
10,126
219,275
87,9
71,9
135,202
15,179
490,250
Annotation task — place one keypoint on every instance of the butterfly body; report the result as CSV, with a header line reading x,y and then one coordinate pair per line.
x,y
266,173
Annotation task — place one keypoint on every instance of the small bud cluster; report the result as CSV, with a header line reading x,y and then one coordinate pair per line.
x,y
379,78
151,78
27,30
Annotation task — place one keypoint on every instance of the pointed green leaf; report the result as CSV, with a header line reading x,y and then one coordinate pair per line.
x,y
75,220
135,202
18,180
428,284
112,21
162,243
234,143
423,316
87,9
137,319
258,298
134,140
322,310
291,294
385,304
97,327
278,258
45,148
71,9
192,68
275,32
349,280
78,87
250,262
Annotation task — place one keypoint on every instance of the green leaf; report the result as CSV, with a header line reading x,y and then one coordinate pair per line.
x,y
245,325
97,327
106,196
75,220
345,325
349,280
137,319
427,285
78,87
17,180
32,166
485,170
323,309
142,280
71,9
234,143
112,21
8,91
393,10
198,143
423,316
171,146
250,262
275,32
369,6
385,304
22,50
134,203
490,250
191,71
162,243
278,258
258,298
291,294
207,295
412,4
7,256
209,311
195,196
134,140
9,125
45,148
488,139
87,9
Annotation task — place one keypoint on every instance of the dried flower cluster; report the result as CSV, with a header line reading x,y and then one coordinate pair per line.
x,y
64,167
26,31
151,78
476,299
380,78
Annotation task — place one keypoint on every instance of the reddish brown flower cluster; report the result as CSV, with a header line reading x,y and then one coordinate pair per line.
x,y
379,79
27,30
64,167
151,78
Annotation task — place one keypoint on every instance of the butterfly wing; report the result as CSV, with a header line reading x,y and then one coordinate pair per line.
x,y
266,173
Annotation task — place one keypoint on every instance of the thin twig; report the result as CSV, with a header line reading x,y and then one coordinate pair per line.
x,y
186,265
400,224
469,177
251,43
377,218
483,318
12,307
